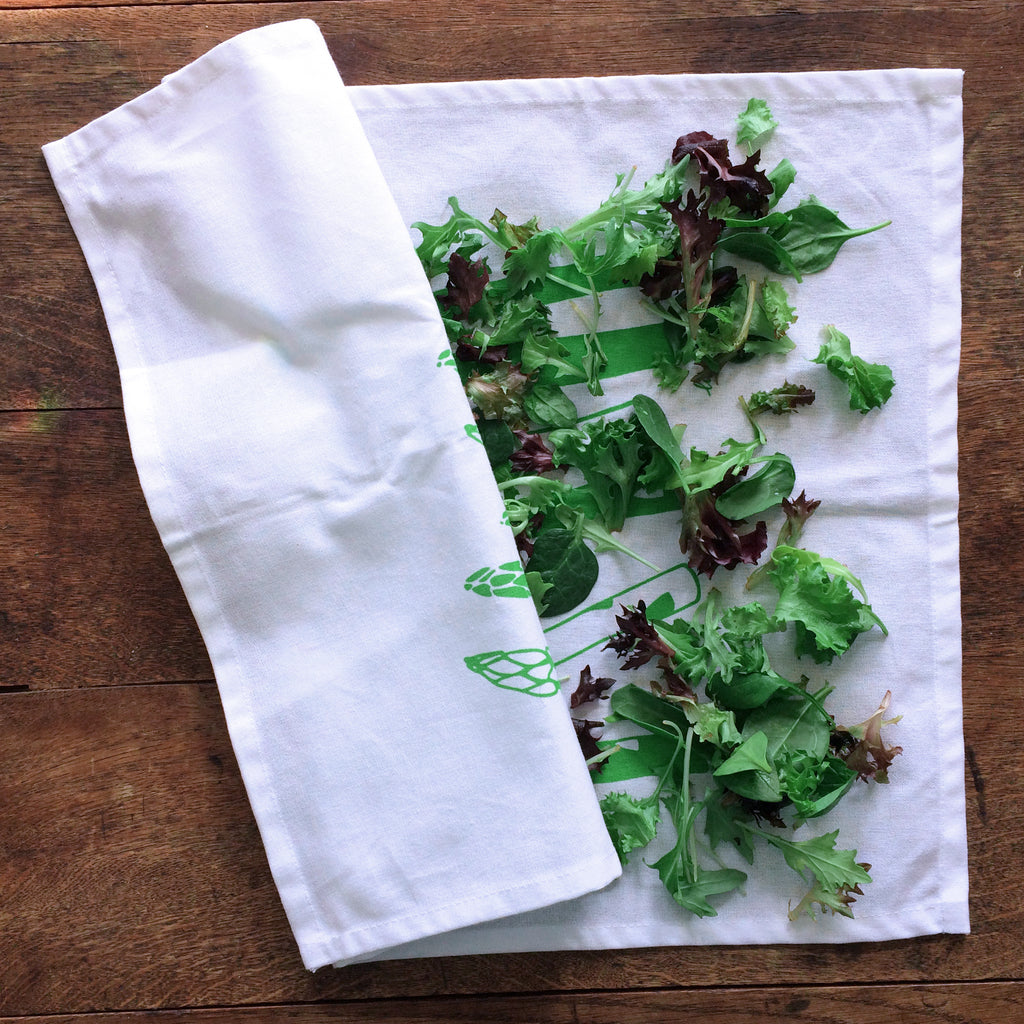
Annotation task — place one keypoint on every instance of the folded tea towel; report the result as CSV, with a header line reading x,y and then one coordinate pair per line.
x,y
314,472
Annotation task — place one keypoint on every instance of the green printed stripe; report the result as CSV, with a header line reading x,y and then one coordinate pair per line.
x,y
628,350
639,506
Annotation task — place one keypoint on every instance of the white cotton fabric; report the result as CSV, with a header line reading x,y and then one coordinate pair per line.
x,y
875,146
305,455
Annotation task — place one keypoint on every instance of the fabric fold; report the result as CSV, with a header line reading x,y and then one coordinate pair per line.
x,y
310,461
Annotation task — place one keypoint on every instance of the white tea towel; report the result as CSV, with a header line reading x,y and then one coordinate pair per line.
x,y
875,146
315,475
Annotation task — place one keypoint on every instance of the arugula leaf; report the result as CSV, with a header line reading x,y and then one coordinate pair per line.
x,y
835,872
724,818
870,384
687,882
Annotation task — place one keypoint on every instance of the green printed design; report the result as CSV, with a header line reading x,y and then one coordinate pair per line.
x,y
530,670
445,357
508,580
473,431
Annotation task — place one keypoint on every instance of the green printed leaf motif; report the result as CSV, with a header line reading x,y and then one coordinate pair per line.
x,y
530,670
508,580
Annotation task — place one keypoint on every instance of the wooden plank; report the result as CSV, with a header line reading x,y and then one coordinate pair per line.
x,y
704,10
992,1003
87,593
133,878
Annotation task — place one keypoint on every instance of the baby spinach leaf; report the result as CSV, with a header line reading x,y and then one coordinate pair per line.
x,y
568,567
750,755
498,439
814,236
789,724
745,690
635,704
755,494
549,407
761,248
652,419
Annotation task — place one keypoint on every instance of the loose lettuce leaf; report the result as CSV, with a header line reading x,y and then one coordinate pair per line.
x,y
781,400
870,384
862,747
755,125
590,688
631,822
815,593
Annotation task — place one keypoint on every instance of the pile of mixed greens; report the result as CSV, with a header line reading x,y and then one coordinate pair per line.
x,y
724,733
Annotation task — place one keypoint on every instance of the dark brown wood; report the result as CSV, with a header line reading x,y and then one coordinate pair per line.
x,y
846,1004
131,873
89,596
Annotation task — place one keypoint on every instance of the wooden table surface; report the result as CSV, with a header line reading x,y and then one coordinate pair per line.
x,y
132,877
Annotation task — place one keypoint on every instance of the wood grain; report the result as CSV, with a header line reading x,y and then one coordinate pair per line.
x,y
846,1004
87,593
131,874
